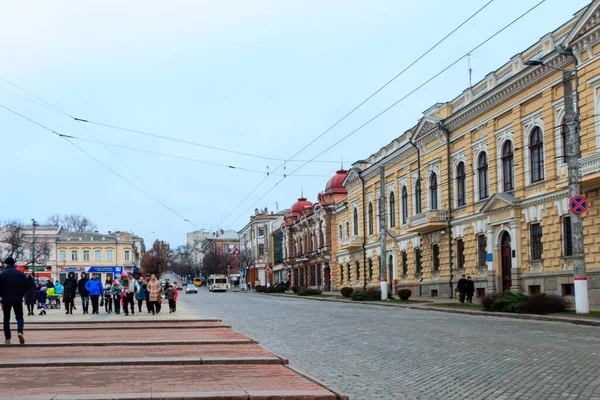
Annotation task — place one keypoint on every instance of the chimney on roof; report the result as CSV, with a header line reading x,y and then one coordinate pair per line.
x,y
109,232
95,231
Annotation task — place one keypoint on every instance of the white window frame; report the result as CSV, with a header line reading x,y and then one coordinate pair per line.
x,y
478,148
86,255
127,256
96,252
62,255
74,255
110,255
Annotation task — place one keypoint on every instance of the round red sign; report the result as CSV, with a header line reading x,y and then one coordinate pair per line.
x,y
578,204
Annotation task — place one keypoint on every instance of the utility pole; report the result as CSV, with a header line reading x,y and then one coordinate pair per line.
x,y
382,235
573,153
33,246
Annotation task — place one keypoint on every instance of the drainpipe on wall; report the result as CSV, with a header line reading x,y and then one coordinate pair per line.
x,y
364,235
410,140
446,131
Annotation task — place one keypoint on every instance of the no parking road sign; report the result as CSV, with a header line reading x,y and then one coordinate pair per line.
x,y
578,204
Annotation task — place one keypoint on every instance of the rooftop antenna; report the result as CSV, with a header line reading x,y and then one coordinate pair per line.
x,y
301,193
277,206
470,70
342,163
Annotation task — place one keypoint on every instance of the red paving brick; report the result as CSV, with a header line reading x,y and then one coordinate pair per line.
x,y
200,378
120,336
215,350
124,325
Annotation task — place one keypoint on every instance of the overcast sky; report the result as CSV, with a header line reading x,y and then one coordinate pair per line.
x,y
263,77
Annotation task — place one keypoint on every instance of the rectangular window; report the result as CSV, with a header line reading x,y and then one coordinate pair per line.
x,y
74,254
347,229
46,253
62,255
568,289
434,293
97,255
435,250
261,231
567,237
340,232
479,292
261,250
534,289
86,255
110,255
127,255
417,260
404,263
460,254
536,241
481,250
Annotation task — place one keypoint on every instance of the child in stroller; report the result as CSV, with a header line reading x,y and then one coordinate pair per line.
x,y
53,299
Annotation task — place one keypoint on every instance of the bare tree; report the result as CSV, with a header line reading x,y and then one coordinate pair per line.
x,y
72,222
246,258
16,241
214,263
158,259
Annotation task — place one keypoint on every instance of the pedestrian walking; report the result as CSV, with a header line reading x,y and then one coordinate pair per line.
x,y
461,287
69,292
170,296
31,294
130,289
470,289
95,289
84,293
108,301
154,289
147,293
13,286
41,299
115,292
140,296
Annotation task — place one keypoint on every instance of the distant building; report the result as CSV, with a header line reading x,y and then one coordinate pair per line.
x,y
224,243
194,241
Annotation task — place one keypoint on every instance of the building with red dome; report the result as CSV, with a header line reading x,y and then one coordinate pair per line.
x,y
308,230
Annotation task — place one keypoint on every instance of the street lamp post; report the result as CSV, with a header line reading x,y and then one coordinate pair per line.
x,y
573,153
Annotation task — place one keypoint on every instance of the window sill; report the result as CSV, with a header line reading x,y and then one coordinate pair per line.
x,y
460,208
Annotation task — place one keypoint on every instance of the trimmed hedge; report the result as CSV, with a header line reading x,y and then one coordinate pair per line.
x,y
309,292
360,296
260,288
404,294
374,294
544,303
296,289
346,291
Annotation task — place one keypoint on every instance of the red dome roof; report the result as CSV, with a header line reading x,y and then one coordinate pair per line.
x,y
299,206
336,184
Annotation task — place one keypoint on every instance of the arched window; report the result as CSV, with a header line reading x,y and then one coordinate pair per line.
x,y
433,197
482,175
392,210
461,190
355,222
507,166
536,153
370,218
404,205
563,139
418,197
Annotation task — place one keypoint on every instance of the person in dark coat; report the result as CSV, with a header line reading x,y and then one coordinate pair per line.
x,y
83,292
462,288
470,289
31,294
49,283
69,292
13,286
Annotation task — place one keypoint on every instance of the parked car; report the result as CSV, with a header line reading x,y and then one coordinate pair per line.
x,y
191,289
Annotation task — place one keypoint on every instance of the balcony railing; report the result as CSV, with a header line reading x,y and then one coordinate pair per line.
x,y
429,216
352,241
589,165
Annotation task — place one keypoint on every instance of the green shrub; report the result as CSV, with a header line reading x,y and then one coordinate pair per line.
x,y
544,304
507,302
374,294
309,292
360,296
346,291
404,294
296,289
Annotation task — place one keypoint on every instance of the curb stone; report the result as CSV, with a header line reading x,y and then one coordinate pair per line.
x,y
569,320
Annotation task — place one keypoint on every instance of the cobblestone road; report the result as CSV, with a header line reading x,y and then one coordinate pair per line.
x,y
388,353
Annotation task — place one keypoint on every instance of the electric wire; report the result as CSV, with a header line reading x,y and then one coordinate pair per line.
x,y
399,101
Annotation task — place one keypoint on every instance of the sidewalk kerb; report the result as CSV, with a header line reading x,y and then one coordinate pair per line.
x,y
136,343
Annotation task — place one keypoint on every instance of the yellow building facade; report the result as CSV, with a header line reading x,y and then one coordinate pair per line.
x,y
479,185
104,254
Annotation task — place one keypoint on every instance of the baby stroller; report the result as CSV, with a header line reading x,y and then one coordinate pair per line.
x,y
53,299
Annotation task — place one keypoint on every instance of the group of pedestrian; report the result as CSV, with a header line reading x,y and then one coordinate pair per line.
x,y
466,289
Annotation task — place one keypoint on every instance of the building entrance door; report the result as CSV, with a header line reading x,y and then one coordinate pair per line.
x,y
506,262
326,278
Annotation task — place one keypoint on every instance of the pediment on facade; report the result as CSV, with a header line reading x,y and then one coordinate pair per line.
x,y
353,178
587,27
500,202
426,130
